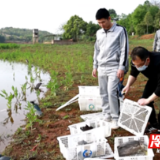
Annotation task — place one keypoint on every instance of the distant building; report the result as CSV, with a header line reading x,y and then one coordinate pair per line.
x,y
35,36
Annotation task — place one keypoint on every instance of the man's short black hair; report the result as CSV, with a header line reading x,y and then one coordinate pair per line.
x,y
140,52
102,13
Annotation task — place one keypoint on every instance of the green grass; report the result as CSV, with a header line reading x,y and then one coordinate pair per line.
x,y
147,43
8,46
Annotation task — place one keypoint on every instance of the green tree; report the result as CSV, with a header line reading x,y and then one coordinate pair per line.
x,y
153,10
92,29
112,13
140,29
138,15
126,21
147,4
157,20
75,26
148,20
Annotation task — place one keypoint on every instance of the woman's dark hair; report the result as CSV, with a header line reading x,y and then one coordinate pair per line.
x,y
140,52
102,13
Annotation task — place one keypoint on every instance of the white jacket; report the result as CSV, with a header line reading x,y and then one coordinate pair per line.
x,y
111,48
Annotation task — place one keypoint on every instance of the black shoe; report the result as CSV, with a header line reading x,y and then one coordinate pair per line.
x,y
151,128
155,125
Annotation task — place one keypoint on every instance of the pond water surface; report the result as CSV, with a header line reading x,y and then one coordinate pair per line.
x,y
17,74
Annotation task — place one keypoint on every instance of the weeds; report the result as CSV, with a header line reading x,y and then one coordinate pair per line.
x,y
53,86
8,97
31,115
68,80
16,95
59,157
19,130
8,46
66,117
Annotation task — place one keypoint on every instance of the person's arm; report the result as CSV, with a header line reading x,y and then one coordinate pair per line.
x,y
152,97
95,62
155,42
130,80
155,95
96,52
124,49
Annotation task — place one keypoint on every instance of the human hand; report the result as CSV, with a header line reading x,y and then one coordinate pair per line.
x,y
120,73
94,73
125,90
143,101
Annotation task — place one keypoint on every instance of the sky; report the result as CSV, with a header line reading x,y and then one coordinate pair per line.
x,y
50,15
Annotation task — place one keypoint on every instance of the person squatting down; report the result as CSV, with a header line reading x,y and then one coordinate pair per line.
x,y
147,63
110,60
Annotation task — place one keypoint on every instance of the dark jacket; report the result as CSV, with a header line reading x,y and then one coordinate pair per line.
x,y
152,72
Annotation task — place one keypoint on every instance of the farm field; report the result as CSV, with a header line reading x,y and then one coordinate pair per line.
x,y
69,66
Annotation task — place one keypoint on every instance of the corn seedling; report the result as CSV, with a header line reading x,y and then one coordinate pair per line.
x,y
38,94
37,72
16,95
29,67
8,97
27,133
23,88
14,76
54,74
66,117
31,115
82,78
19,130
31,83
53,86
68,68
26,78
68,79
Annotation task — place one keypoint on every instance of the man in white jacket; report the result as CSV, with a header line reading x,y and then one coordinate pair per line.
x,y
110,60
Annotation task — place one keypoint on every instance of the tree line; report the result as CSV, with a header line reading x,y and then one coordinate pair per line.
x,y
143,20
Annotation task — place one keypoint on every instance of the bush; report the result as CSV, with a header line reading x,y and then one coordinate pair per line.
x,y
8,45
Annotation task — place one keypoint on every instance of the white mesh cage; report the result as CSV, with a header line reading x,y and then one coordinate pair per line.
x,y
134,117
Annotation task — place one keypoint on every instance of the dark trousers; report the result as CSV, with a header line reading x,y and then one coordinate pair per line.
x,y
148,91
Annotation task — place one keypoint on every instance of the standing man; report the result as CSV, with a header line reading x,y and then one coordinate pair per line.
x,y
110,60
147,63
156,43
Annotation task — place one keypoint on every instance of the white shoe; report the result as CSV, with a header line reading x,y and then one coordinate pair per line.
x,y
114,124
107,117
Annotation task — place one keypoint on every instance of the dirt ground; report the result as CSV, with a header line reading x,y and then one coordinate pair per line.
x,y
41,142
55,124
146,36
